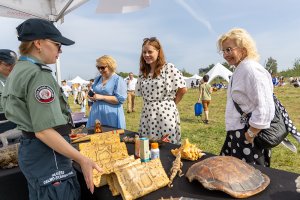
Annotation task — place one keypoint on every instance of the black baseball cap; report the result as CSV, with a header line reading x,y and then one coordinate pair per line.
x,y
8,56
34,29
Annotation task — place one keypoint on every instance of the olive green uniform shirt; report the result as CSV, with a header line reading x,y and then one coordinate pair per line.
x,y
205,88
2,83
27,86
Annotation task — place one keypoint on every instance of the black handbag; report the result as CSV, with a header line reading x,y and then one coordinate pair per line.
x,y
270,137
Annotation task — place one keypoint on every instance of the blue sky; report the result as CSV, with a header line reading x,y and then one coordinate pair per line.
x,y
187,29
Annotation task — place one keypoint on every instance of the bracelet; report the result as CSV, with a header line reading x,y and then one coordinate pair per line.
x,y
250,133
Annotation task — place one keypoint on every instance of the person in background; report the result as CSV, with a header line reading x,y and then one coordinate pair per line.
x,y
67,89
109,95
205,91
35,102
197,82
131,82
281,81
7,62
75,91
90,102
92,81
83,96
251,88
162,87
192,84
275,80
89,87
79,88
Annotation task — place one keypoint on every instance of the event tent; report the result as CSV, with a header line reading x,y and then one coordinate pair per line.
x,y
193,78
79,80
219,71
55,10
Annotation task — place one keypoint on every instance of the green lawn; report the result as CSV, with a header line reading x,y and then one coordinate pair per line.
x,y
210,137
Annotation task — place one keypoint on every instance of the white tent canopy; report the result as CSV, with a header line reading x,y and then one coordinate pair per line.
x,y
193,78
79,80
219,71
55,10
52,10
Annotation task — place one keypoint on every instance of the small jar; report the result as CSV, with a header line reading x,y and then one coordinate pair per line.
x,y
154,150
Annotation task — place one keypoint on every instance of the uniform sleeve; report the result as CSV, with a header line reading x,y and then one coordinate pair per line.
x,y
138,91
43,102
120,90
174,78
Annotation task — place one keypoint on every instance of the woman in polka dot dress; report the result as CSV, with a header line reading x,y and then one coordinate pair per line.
x,y
252,89
162,87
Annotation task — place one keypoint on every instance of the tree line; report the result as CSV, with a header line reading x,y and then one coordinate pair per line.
x,y
270,65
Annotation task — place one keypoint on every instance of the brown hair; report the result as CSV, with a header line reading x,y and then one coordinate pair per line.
x,y
205,78
26,47
144,67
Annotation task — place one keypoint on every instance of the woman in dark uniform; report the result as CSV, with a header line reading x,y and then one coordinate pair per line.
x,y
7,62
34,101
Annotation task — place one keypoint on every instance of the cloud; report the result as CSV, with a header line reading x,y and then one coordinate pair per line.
x,y
195,15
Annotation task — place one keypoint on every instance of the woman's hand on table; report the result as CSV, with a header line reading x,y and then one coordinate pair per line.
x,y
87,166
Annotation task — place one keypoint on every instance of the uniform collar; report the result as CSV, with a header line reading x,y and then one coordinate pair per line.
x,y
35,61
30,57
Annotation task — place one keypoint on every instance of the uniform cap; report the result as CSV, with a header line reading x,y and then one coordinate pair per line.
x,y
8,56
34,29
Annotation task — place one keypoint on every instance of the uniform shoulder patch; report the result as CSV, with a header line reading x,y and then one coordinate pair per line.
x,y
44,94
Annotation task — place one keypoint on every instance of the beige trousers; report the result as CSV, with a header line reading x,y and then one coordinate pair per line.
x,y
130,101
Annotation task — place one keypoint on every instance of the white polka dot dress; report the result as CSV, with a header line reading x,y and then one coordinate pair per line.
x,y
159,114
236,145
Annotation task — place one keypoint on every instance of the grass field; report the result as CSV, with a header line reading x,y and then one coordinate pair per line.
x,y
210,137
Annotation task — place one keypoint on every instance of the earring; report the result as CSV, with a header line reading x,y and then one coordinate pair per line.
x,y
40,50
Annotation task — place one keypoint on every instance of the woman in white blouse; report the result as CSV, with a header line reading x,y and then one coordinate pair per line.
x,y
252,89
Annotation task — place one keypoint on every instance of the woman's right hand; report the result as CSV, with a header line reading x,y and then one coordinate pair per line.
x,y
87,166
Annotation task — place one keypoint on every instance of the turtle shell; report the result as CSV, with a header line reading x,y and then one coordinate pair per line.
x,y
230,175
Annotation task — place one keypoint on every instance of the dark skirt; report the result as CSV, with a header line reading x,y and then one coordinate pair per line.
x,y
236,145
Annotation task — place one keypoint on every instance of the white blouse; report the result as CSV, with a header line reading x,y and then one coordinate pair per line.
x,y
252,89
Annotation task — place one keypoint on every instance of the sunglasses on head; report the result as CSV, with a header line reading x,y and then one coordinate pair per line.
x,y
101,67
151,39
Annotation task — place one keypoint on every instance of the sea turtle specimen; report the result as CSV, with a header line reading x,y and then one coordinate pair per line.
x,y
230,175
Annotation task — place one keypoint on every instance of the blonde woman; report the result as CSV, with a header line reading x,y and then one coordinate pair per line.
x,y
252,89
109,95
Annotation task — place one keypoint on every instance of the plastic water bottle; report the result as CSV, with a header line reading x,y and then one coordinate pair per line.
x,y
154,150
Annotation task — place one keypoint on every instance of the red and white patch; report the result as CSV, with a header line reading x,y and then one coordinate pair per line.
x,y
44,94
